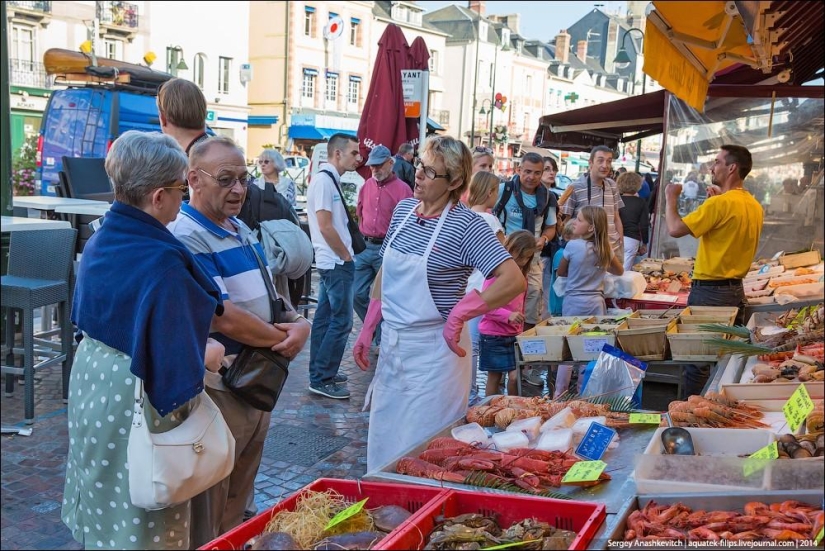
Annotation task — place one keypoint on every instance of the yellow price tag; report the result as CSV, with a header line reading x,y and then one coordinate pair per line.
x,y
594,333
575,326
819,536
758,459
645,418
584,471
350,511
798,407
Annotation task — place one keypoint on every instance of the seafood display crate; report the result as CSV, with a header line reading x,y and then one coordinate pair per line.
x,y
739,369
690,474
711,501
718,442
586,347
645,339
709,314
688,343
413,498
808,258
546,341
584,518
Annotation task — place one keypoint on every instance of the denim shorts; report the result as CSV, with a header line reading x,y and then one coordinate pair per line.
x,y
496,353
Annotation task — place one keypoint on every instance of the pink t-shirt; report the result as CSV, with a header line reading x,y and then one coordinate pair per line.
x,y
497,322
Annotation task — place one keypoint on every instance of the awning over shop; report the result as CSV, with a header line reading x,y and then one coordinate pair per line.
x,y
524,149
315,133
432,126
262,120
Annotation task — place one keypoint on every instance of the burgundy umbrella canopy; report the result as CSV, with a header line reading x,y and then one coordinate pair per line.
x,y
382,121
419,59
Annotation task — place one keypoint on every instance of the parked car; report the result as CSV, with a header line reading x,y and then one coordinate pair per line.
x,y
297,170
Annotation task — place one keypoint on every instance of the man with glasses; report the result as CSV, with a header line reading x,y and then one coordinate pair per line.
x,y
327,217
376,202
598,189
228,250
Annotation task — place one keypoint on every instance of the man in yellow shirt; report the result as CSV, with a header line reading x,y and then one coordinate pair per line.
x,y
728,225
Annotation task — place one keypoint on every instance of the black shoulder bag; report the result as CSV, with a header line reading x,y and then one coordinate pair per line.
x,y
359,245
258,374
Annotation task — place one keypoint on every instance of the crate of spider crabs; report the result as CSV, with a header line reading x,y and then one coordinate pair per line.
x,y
674,521
315,517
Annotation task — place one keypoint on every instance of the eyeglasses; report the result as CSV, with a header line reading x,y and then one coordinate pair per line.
x,y
481,149
429,171
229,181
263,161
184,188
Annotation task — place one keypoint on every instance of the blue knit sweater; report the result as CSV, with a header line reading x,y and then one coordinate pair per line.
x,y
140,291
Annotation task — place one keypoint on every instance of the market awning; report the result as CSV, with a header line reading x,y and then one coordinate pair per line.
x,y
524,149
688,44
262,120
432,126
316,133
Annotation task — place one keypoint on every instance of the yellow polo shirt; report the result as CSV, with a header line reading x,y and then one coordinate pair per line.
x,y
728,227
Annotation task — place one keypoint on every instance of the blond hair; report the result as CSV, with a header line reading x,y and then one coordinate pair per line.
x,y
482,184
521,244
597,217
182,103
569,229
629,183
457,160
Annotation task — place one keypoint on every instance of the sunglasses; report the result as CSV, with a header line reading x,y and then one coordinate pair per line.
x,y
229,181
480,149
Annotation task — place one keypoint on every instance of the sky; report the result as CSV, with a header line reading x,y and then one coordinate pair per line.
x,y
539,20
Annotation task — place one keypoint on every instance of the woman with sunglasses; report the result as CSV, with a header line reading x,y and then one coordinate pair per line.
x,y
422,379
272,164
483,161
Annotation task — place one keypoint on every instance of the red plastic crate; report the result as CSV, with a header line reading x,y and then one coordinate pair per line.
x,y
410,497
582,517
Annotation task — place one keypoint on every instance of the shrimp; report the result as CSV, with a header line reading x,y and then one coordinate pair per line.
x,y
782,535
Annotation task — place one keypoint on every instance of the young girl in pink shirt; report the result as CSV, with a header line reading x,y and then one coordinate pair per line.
x,y
498,328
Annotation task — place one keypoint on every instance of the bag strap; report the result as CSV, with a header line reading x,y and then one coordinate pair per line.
x,y
341,193
270,289
505,196
137,416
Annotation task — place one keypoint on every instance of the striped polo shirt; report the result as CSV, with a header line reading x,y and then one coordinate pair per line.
x,y
229,259
610,201
464,243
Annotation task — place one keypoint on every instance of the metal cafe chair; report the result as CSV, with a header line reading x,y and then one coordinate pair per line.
x,y
39,274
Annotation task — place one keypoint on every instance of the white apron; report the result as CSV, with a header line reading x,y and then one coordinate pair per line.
x,y
420,385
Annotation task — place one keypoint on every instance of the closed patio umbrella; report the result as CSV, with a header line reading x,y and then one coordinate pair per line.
x,y
382,121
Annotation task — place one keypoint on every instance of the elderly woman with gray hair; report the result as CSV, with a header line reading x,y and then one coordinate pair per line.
x,y
144,307
272,164
635,218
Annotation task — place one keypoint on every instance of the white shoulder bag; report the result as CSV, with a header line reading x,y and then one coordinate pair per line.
x,y
171,467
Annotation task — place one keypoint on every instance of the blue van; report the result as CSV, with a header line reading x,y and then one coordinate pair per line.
x,y
83,122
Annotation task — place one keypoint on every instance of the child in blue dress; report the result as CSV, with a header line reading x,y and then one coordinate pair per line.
x,y
584,263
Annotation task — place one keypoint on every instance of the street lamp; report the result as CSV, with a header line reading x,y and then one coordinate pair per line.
x,y
174,60
621,61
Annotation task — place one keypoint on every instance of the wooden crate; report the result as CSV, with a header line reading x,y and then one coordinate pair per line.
x,y
547,343
645,339
808,258
688,343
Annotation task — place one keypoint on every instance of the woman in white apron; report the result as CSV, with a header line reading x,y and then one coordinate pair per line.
x,y
422,380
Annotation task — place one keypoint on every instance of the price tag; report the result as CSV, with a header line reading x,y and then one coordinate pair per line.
x,y
798,407
350,511
584,471
819,536
575,326
533,346
760,458
593,345
764,269
595,441
645,418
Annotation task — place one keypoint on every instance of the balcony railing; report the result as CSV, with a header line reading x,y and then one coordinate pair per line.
x,y
45,7
441,116
28,73
122,14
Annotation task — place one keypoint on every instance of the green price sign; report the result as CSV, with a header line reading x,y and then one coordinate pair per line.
x,y
350,511
645,418
819,536
798,407
584,471
760,458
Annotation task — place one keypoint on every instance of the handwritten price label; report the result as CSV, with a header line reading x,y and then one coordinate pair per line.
x,y
350,511
798,407
584,471
645,418
760,458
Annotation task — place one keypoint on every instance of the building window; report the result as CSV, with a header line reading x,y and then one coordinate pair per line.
x,y
354,90
199,70
355,32
434,61
113,49
331,92
309,20
308,86
528,86
22,44
224,67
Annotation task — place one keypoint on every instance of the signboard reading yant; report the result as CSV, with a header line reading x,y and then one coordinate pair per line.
x,y
412,85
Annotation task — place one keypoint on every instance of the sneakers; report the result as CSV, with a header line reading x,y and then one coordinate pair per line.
x,y
340,378
530,377
331,390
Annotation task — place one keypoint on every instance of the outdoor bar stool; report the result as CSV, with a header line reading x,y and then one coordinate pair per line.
x,y
39,274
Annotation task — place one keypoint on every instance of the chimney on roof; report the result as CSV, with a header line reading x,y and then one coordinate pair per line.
x,y
562,46
477,6
581,50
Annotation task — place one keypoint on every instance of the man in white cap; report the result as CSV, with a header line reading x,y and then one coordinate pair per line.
x,y
376,201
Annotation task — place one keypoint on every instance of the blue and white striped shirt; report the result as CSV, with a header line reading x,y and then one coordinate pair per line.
x,y
465,242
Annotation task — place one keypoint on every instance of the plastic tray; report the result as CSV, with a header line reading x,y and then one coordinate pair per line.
x,y
690,474
584,518
413,498
718,442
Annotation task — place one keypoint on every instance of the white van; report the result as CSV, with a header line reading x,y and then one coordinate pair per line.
x,y
351,182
